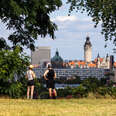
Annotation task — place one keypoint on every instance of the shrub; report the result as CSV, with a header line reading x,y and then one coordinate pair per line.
x,y
102,91
79,92
91,84
44,95
112,92
15,90
64,92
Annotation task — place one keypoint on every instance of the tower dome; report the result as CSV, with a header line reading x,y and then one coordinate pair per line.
x,y
57,61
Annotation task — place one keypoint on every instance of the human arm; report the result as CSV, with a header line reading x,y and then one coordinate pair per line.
x,y
45,75
33,75
54,75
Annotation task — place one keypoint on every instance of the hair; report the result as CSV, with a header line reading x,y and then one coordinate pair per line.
x,y
30,66
49,66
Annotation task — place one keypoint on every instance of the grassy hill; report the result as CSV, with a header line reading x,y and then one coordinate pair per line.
x,y
58,107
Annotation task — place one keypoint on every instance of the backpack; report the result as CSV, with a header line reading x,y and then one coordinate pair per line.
x,y
50,74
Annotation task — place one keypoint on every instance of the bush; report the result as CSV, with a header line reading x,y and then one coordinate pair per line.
x,y
79,92
39,88
15,90
44,95
102,91
112,92
64,92
91,84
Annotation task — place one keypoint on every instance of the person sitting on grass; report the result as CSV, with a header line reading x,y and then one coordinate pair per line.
x,y
50,76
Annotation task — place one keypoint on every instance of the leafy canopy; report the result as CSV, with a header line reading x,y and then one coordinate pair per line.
x,y
31,18
103,11
13,64
28,19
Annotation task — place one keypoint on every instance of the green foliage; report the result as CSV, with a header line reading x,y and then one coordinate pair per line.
x,y
103,81
44,95
112,91
91,84
3,44
13,65
23,81
15,90
102,91
79,92
101,11
64,92
39,89
28,19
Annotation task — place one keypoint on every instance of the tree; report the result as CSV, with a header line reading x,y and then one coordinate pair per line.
x,y
28,19
13,64
3,44
103,11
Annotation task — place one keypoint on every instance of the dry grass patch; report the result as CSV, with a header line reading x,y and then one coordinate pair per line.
x,y
69,107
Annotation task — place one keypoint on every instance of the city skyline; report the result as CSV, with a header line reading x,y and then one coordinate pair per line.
x,y
71,35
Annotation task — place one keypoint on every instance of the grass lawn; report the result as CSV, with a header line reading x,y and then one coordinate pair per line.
x,y
58,107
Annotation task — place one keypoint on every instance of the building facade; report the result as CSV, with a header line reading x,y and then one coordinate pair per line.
x,y
66,73
41,55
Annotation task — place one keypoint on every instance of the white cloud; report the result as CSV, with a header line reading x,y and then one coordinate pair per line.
x,y
74,23
72,18
65,18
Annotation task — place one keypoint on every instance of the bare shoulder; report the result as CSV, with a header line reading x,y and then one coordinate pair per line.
x,y
46,71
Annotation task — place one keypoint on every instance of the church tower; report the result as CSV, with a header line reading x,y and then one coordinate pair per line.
x,y
87,50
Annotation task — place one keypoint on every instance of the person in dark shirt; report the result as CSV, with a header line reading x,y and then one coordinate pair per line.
x,y
50,76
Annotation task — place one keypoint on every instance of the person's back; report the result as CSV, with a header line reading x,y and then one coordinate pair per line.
x,y
30,75
50,74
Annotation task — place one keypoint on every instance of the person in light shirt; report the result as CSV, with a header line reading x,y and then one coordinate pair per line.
x,y
30,75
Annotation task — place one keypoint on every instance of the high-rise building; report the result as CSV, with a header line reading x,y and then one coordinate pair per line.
x,y
87,50
41,55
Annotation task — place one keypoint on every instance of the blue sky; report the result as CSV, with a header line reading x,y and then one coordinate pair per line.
x,y
71,36
72,33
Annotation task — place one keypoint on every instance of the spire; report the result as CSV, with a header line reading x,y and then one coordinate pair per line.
x,y
98,56
107,55
88,41
57,53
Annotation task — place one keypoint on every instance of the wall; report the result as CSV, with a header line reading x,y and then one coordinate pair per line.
x,y
82,73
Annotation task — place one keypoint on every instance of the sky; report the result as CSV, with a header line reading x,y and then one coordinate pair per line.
x,y
71,35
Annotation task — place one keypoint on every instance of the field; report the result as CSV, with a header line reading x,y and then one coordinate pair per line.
x,y
59,107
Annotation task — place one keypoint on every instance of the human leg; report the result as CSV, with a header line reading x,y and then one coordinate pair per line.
x,y
28,90
55,93
50,92
32,90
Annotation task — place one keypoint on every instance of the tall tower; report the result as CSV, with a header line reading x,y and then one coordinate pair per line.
x,y
87,50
